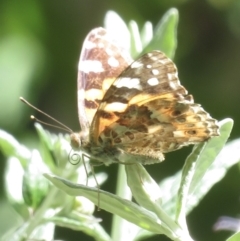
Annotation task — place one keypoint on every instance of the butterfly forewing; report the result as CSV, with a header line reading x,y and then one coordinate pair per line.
x,y
101,61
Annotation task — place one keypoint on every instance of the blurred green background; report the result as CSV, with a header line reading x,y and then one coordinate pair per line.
x,y
40,43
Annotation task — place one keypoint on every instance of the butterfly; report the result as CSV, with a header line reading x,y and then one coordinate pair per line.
x,y
133,111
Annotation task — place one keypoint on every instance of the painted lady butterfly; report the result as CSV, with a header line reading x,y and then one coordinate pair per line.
x,y
133,112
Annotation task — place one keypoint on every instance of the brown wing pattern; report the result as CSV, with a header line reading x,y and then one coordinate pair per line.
x,y
147,112
101,62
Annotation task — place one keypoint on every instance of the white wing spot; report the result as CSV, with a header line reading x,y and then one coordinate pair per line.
x,y
153,81
122,82
163,61
100,45
87,66
81,94
155,71
128,82
172,76
136,64
173,85
89,45
149,66
178,134
109,51
113,62
93,94
115,106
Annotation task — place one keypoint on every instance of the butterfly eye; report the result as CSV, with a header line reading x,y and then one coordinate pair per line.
x,y
75,140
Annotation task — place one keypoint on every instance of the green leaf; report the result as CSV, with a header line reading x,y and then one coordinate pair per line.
x,y
228,157
144,189
169,187
207,171
197,165
117,27
234,237
120,225
9,219
10,147
55,149
214,173
34,186
111,203
187,175
13,178
209,152
42,232
165,34
18,157
146,33
147,193
136,43
46,146
84,223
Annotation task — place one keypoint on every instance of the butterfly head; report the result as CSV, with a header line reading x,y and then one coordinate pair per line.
x,y
78,140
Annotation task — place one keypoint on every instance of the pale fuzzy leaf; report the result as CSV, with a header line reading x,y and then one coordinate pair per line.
x,y
85,224
111,203
165,34
213,174
136,44
122,229
10,147
146,33
210,151
117,28
147,193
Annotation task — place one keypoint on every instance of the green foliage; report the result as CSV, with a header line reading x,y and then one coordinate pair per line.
x,y
159,208
150,213
235,237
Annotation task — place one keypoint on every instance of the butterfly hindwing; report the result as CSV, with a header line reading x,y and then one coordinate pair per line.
x,y
146,112
151,76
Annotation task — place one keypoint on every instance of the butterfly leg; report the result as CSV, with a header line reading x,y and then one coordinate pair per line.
x,y
84,164
98,188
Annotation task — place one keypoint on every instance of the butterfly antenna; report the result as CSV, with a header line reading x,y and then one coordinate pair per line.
x,y
62,126
48,124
